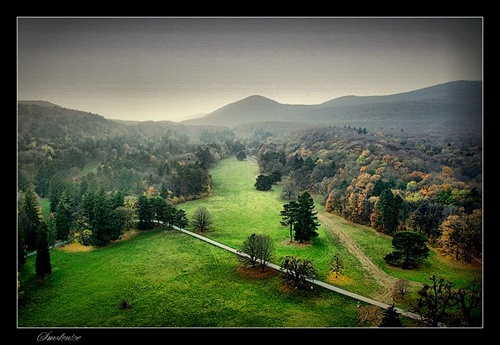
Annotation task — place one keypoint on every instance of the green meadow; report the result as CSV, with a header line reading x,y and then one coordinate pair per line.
x,y
164,278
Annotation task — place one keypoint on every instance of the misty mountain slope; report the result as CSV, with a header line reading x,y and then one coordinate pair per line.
x,y
453,108
250,109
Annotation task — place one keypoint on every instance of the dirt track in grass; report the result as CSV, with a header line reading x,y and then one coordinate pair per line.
x,y
387,282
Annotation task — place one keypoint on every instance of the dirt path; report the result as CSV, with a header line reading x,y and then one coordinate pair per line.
x,y
387,282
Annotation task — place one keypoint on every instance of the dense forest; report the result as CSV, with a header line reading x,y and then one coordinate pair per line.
x,y
390,181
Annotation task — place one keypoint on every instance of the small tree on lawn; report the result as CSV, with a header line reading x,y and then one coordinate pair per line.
x,y
259,249
337,265
202,219
401,288
296,271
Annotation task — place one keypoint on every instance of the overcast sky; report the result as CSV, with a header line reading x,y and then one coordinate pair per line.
x,y
170,68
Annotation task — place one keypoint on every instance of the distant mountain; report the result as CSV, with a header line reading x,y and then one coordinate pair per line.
x,y
449,108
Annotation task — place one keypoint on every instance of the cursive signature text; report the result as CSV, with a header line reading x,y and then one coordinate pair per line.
x,y
47,336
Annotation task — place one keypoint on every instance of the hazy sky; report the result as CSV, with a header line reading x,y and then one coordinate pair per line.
x,y
169,68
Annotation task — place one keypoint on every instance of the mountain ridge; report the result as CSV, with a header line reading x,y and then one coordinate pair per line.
x,y
447,107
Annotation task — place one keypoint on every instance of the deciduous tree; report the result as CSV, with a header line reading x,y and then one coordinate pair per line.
x,y
259,249
435,300
296,271
202,219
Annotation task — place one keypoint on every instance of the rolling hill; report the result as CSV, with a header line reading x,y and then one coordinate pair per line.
x,y
453,108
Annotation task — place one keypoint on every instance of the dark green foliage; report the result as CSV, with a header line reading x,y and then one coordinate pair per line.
x,y
43,265
160,209
390,318
301,218
106,221
192,180
263,182
425,217
306,220
389,206
29,219
145,212
241,155
276,176
180,219
43,177
469,303
289,216
410,250
62,218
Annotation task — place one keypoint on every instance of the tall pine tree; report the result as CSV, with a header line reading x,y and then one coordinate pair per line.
x,y
306,218
43,265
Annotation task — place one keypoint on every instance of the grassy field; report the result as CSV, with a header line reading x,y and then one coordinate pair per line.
x,y
170,279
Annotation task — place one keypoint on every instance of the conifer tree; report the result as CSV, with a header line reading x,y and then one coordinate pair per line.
x,y
43,265
307,220
390,318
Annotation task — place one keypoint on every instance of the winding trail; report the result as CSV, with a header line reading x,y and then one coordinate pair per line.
x,y
385,280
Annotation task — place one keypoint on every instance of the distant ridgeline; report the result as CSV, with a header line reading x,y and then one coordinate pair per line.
x,y
450,109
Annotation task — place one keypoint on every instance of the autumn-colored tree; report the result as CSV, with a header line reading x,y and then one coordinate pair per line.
x,y
337,265
462,236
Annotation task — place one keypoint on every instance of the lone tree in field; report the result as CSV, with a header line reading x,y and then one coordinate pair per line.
x,y
337,265
259,248
410,250
301,218
296,271
401,288
202,219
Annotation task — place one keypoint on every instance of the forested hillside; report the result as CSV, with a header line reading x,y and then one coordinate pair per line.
x,y
388,182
